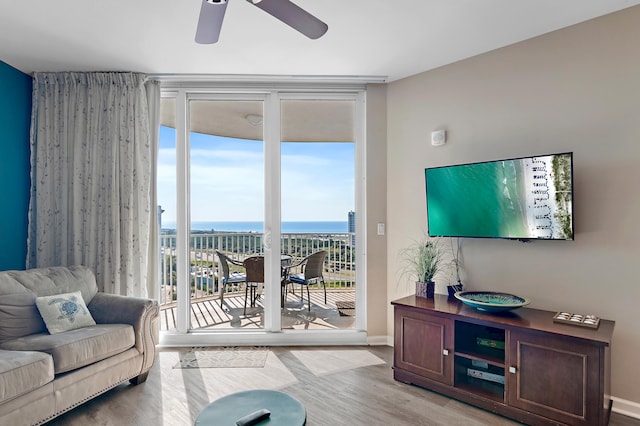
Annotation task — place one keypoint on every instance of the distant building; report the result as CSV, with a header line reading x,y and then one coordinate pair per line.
x,y
160,211
351,226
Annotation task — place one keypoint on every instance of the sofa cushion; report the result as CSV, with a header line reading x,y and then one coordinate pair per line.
x,y
18,290
76,348
64,312
24,371
19,316
48,281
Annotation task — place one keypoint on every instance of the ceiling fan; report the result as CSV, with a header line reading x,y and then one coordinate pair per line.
x,y
212,14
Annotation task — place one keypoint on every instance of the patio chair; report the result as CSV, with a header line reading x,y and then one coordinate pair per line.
x,y
254,269
311,273
228,278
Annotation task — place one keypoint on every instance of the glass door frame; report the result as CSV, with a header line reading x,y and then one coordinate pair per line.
x,y
359,196
272,332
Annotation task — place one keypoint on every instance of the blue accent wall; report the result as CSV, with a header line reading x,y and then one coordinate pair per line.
x,y
15,121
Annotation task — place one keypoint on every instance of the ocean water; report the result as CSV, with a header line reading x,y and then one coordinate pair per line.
x,y
328,227
477,200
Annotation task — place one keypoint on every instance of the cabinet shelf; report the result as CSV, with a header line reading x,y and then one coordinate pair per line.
x,y
466,372
488,390
480,342
492,360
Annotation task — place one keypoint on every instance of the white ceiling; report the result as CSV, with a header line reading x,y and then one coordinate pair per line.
x,y
390,38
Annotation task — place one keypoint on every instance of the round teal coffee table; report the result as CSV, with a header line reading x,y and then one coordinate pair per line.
x,y
285,409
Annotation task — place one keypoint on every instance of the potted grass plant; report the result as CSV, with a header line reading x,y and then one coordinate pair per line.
x,y
423,260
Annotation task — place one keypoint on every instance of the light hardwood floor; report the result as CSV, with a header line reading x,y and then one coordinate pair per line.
x,y
337,386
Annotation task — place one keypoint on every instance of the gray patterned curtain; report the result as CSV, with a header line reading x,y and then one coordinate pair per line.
x,y
93,144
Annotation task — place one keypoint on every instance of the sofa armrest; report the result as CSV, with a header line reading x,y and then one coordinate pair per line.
x,y
142,314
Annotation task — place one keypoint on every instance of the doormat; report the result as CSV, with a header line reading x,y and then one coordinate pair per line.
x,y
346,308
224,357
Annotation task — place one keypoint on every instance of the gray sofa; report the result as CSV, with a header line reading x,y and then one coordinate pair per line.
x,y
43,375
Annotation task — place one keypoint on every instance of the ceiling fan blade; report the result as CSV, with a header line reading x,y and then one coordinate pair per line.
x,y
210,21
294,16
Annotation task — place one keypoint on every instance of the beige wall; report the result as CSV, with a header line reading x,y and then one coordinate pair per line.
x,y
577,89
376,206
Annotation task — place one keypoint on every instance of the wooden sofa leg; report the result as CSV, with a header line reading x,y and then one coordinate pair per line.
x,y
139,379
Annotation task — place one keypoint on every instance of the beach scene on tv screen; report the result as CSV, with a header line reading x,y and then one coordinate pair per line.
x,y
525,198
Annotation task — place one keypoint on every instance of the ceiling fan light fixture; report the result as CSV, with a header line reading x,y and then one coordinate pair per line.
x,y
294,16
212,14
254,119
210,21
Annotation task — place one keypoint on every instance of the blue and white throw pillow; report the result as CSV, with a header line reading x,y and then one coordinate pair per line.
x,y
64,312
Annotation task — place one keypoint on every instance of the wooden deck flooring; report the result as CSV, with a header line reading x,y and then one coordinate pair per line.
x,y
207,314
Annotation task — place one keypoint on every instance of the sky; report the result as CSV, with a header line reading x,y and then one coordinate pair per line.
x,y
227,179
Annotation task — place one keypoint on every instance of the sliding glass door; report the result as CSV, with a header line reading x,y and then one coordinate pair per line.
x,y
317,146
226,181
250,186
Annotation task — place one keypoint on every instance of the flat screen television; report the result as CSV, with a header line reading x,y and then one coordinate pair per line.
x,y
526,198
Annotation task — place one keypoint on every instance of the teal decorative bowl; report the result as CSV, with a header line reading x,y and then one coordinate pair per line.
x,y
491,301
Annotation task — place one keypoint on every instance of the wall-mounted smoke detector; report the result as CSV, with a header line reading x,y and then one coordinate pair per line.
x,y
438,137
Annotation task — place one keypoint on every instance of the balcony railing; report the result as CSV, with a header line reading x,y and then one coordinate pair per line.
x,y
339,266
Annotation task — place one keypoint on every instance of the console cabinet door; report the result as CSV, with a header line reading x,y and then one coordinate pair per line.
x,y
555,377
424,345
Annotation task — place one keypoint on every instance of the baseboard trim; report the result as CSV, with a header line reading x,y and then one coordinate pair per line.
x,y
625,407
264,338
377,340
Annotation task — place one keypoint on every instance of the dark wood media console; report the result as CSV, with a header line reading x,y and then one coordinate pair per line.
x,y
520,364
